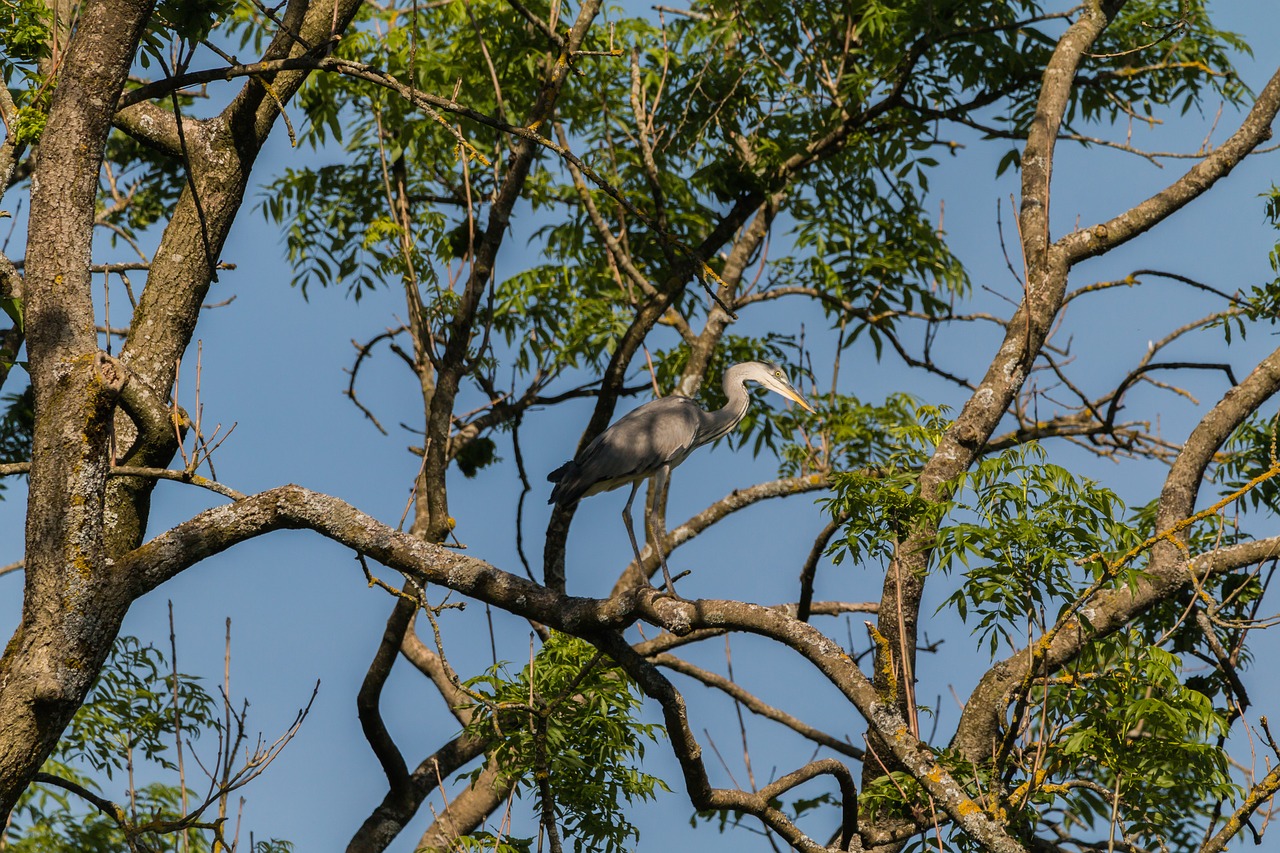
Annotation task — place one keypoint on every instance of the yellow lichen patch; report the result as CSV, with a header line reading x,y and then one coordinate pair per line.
x,y
884,656
1019,796
83,566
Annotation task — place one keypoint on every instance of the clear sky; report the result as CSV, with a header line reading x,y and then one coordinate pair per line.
x,y
274,365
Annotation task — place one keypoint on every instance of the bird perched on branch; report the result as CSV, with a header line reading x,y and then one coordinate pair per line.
x,y
658,436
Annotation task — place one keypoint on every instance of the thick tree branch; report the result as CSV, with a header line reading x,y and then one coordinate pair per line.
x,y
1055,95
1045,283
388,820
291,507
1108,611
48,667
432,505
467,811
689,752
1255,130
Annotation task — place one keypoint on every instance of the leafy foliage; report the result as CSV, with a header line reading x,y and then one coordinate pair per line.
x,y
129,711
750,112
26,35
568,719
24,30
879,498
1127,722
487,842
1033,526
127,716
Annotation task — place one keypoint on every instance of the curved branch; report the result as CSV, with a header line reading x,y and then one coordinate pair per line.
x,y
667,641
1132,279
102,804
1138,372
729,504
465,812
810,569
370,694
293,507
1177,498
388,820
441,674
848,791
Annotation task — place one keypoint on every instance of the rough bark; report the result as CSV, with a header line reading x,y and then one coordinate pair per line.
x,y
221,152
1046,280
72,606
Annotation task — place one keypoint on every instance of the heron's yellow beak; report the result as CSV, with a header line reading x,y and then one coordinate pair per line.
x,y
801,401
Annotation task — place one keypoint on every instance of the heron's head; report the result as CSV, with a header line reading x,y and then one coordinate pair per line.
x,y
774,378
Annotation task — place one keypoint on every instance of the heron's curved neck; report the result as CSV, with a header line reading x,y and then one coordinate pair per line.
x,y
721,422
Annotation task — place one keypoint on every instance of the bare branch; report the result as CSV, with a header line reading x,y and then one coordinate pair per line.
x,y
731,503
367,700
755,705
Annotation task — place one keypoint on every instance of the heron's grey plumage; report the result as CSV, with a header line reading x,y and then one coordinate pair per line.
x,y
658,436
661,433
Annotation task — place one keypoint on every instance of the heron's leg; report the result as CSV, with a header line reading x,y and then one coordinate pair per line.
x,y
631,534
656,487
626,519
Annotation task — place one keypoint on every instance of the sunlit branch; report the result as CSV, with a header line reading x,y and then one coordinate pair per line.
x,y
9,469
441,674
667,641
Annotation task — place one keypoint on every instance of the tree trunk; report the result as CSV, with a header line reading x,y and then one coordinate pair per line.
x,y
72,606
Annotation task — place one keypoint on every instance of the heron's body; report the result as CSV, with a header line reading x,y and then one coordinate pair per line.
x,y
662,432
658,436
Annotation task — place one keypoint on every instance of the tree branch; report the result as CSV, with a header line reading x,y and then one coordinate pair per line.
x,y
755,705
1255,130
736,500
367,699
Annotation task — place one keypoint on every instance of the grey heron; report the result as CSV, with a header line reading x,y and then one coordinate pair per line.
x,y
658,436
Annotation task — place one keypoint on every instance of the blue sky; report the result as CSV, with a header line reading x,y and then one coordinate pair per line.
x,y
301,611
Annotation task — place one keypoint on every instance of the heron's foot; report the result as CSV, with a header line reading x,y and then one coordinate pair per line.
x,y
670,582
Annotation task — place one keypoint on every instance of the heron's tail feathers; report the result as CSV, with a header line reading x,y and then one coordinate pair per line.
x,y
567,489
